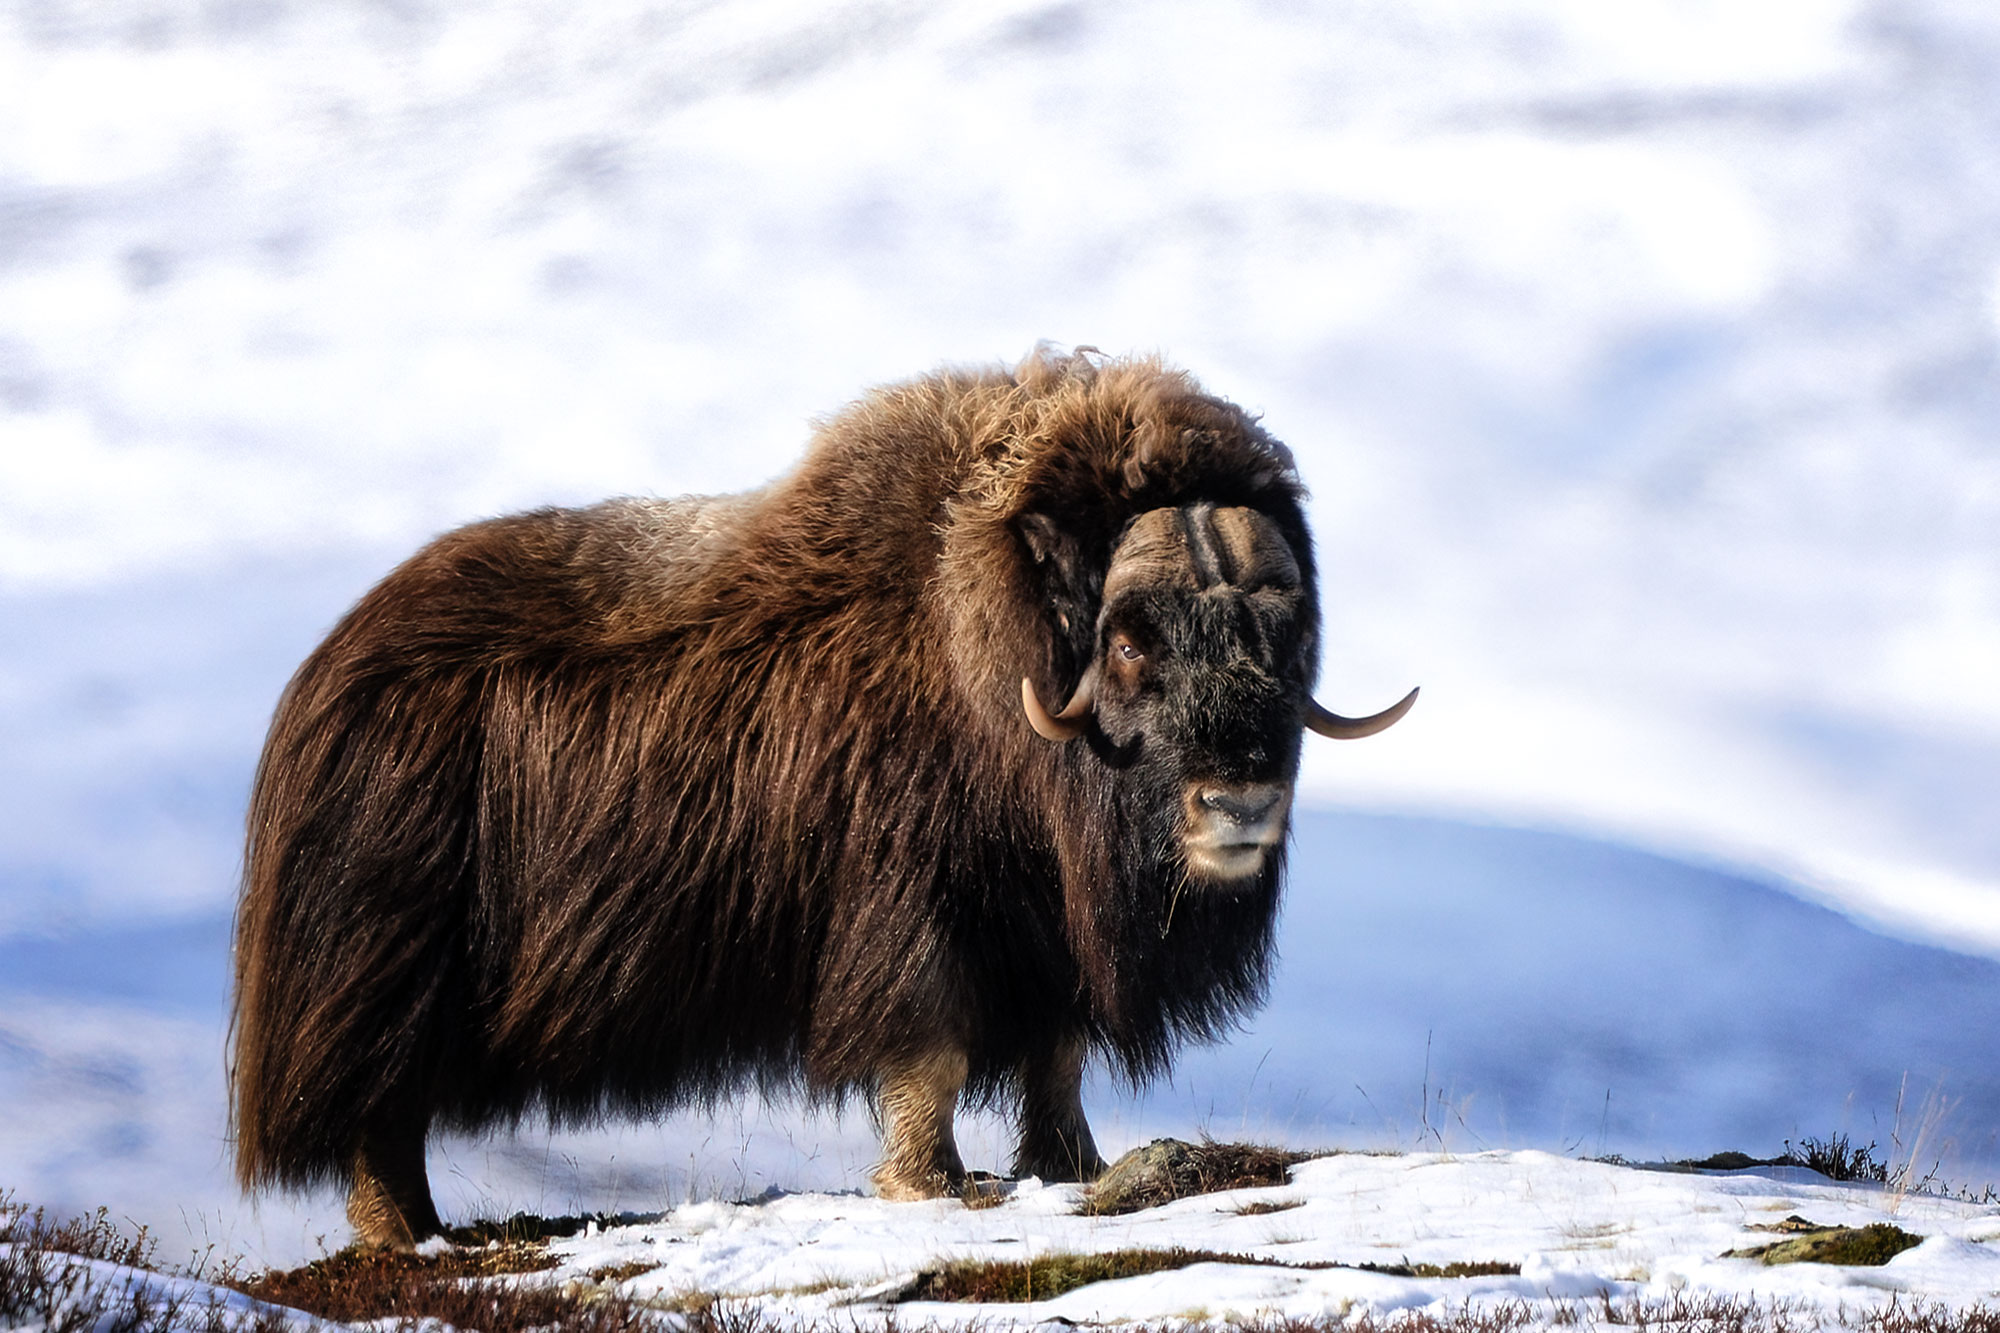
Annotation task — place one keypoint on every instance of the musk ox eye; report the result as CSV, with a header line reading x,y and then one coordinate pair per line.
x,y
1127,650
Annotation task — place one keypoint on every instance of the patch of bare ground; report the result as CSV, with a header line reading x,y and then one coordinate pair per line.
x,y
488,1290
1047,1276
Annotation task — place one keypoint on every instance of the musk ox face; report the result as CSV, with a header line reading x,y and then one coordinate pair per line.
x,y
1200,681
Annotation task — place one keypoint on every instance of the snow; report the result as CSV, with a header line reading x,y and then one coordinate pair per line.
x,y
1578,1231
1640,358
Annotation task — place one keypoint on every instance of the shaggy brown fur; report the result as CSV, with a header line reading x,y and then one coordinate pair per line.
x,y
605,810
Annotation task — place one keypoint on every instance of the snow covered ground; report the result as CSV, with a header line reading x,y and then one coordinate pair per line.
x,y
1583,1240
1641,359
1578,1231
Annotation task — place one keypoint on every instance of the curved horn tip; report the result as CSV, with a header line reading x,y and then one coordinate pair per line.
x,y
1335,727
1047,725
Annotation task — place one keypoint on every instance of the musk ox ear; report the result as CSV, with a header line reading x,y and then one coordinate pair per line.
x,y
1062,564
1068,581
1045,540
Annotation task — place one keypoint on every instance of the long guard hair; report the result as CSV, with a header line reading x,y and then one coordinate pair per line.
x,y
606,810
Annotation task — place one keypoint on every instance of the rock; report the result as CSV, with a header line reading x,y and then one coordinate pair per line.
x,y
1869,1246
1169,1169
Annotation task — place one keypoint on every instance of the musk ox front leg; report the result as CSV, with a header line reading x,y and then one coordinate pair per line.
x,y
914,1103
1055,1138
389,1200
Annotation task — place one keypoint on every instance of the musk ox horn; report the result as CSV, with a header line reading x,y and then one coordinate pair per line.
x,y
1064,726
1335,727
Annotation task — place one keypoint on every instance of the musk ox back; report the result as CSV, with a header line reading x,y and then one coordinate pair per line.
x,y
607,810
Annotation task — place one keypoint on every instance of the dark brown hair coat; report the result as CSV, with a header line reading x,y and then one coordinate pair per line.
x,y
606,810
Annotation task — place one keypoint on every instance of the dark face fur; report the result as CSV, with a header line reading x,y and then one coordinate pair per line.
x,y
1200,682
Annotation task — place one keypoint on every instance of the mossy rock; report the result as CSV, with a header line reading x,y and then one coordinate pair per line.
x,y
1169,1169
1862,1247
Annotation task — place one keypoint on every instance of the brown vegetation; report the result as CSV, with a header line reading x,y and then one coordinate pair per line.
x,y
1047,1276
460,1288
48,1283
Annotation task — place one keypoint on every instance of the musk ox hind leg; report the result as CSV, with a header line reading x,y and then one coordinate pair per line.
x,y
389,1201
1055,1138
914,1103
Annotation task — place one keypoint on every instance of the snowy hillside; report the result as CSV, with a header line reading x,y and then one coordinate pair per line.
x,y
1575,1231
1641,360
1642,366
1426,1242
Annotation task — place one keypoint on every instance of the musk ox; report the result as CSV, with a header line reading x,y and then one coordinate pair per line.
x,y
596,811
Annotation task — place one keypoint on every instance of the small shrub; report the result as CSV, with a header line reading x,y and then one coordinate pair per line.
x,y
1729,1161
1836,1158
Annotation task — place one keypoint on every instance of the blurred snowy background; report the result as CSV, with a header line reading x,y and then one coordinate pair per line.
x,y
1641,359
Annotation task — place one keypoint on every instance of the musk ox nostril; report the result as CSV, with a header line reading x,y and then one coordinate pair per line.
x,y
1242,805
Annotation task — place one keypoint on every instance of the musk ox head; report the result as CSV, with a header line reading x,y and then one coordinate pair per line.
x,y
1170,577
1198,686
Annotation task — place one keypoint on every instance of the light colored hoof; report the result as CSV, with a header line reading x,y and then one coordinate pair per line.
x,y
899,1188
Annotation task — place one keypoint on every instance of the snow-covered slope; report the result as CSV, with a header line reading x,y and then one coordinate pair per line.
x,y
1579,1231
1641,359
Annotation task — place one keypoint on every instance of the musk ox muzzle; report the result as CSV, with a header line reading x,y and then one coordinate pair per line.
x,y
1231,828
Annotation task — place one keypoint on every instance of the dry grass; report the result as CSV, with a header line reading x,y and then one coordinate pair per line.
x,y
1476,1268
47,1282
469,1289
1044,1277
1006,1282
1265,1207
1672,1314
369,1284
1838,1157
